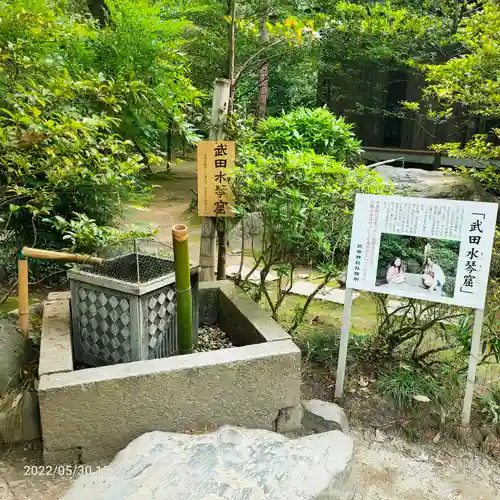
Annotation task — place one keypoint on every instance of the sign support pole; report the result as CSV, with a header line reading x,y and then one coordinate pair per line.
x,y
473,360
344,341
220,103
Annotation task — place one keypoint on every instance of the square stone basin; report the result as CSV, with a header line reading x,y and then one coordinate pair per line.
x,y
90,414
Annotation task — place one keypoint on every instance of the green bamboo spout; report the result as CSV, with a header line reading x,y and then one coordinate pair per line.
x,y
183,289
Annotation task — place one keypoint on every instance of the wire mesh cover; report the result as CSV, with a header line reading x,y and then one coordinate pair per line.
x,y
135,261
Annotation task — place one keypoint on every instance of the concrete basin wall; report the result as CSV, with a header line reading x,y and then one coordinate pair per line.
x,y
93,413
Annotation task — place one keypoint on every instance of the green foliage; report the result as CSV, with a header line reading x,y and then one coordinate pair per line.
x,y
305,203
421,332
59,153
405,385
467,87
308,129
84,234
489,405
298,195
321,347
143,47
54,163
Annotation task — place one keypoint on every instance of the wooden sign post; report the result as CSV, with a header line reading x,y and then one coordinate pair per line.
x,y
215,162
220,104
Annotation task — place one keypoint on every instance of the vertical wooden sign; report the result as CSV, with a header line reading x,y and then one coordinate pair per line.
x,y
215,162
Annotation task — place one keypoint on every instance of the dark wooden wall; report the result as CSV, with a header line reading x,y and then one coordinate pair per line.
x,y
370,98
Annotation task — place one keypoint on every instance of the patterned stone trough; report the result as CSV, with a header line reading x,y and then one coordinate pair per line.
x,y
92,413
125,310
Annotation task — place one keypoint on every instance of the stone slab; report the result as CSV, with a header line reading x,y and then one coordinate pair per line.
x,y
322,416
56,352
229,464
12,354
59,295
328,294
232,271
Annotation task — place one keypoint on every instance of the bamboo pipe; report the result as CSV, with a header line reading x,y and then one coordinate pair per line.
x,y
183,288
23,306
36,253
22,272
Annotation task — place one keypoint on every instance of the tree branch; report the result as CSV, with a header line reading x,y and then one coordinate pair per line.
x,y
252,58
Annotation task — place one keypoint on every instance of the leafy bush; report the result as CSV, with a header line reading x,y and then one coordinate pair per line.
x,y
58,154
322,346
142,46
489,405
308,130
305,202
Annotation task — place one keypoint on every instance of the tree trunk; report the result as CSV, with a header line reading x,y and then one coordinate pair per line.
x,y
232,55
99,10
263,75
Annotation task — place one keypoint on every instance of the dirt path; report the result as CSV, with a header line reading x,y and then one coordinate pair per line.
x,y
397,470
388,470
170,206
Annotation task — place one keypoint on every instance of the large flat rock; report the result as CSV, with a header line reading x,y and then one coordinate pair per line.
x,y
230,464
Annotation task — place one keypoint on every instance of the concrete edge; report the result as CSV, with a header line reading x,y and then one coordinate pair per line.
x,y
56,350
260,319
51,381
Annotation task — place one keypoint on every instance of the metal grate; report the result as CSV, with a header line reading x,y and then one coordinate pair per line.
x,y
135,261
133,268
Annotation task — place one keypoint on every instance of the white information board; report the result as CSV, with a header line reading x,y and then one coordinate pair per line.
x,y
431,249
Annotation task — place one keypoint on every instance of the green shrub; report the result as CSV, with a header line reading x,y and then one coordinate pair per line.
x,y
321,347
144,47
406,385
489,405
305,203
305,129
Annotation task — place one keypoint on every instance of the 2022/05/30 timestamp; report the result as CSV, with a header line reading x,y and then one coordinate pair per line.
x,y
70,470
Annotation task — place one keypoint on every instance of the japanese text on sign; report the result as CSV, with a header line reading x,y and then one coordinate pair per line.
x,y
215,162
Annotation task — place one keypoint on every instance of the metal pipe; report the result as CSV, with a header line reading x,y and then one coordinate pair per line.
x,y
385,162
183,288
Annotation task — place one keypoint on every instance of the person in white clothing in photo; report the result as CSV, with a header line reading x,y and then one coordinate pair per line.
x,y
433,276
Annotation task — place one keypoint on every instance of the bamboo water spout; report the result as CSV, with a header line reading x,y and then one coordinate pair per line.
x,y
183,288
23,287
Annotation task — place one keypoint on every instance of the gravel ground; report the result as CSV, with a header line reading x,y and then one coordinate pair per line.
x,y
390,468
212,338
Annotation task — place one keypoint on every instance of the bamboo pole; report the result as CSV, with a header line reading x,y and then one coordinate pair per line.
x,y
183,288
23,306
36,253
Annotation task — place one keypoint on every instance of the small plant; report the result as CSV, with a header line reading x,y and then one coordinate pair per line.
x,y
85,234
322,346
489,404
305,203
407,385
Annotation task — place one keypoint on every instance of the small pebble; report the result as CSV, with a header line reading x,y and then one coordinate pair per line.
x,y
211,338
